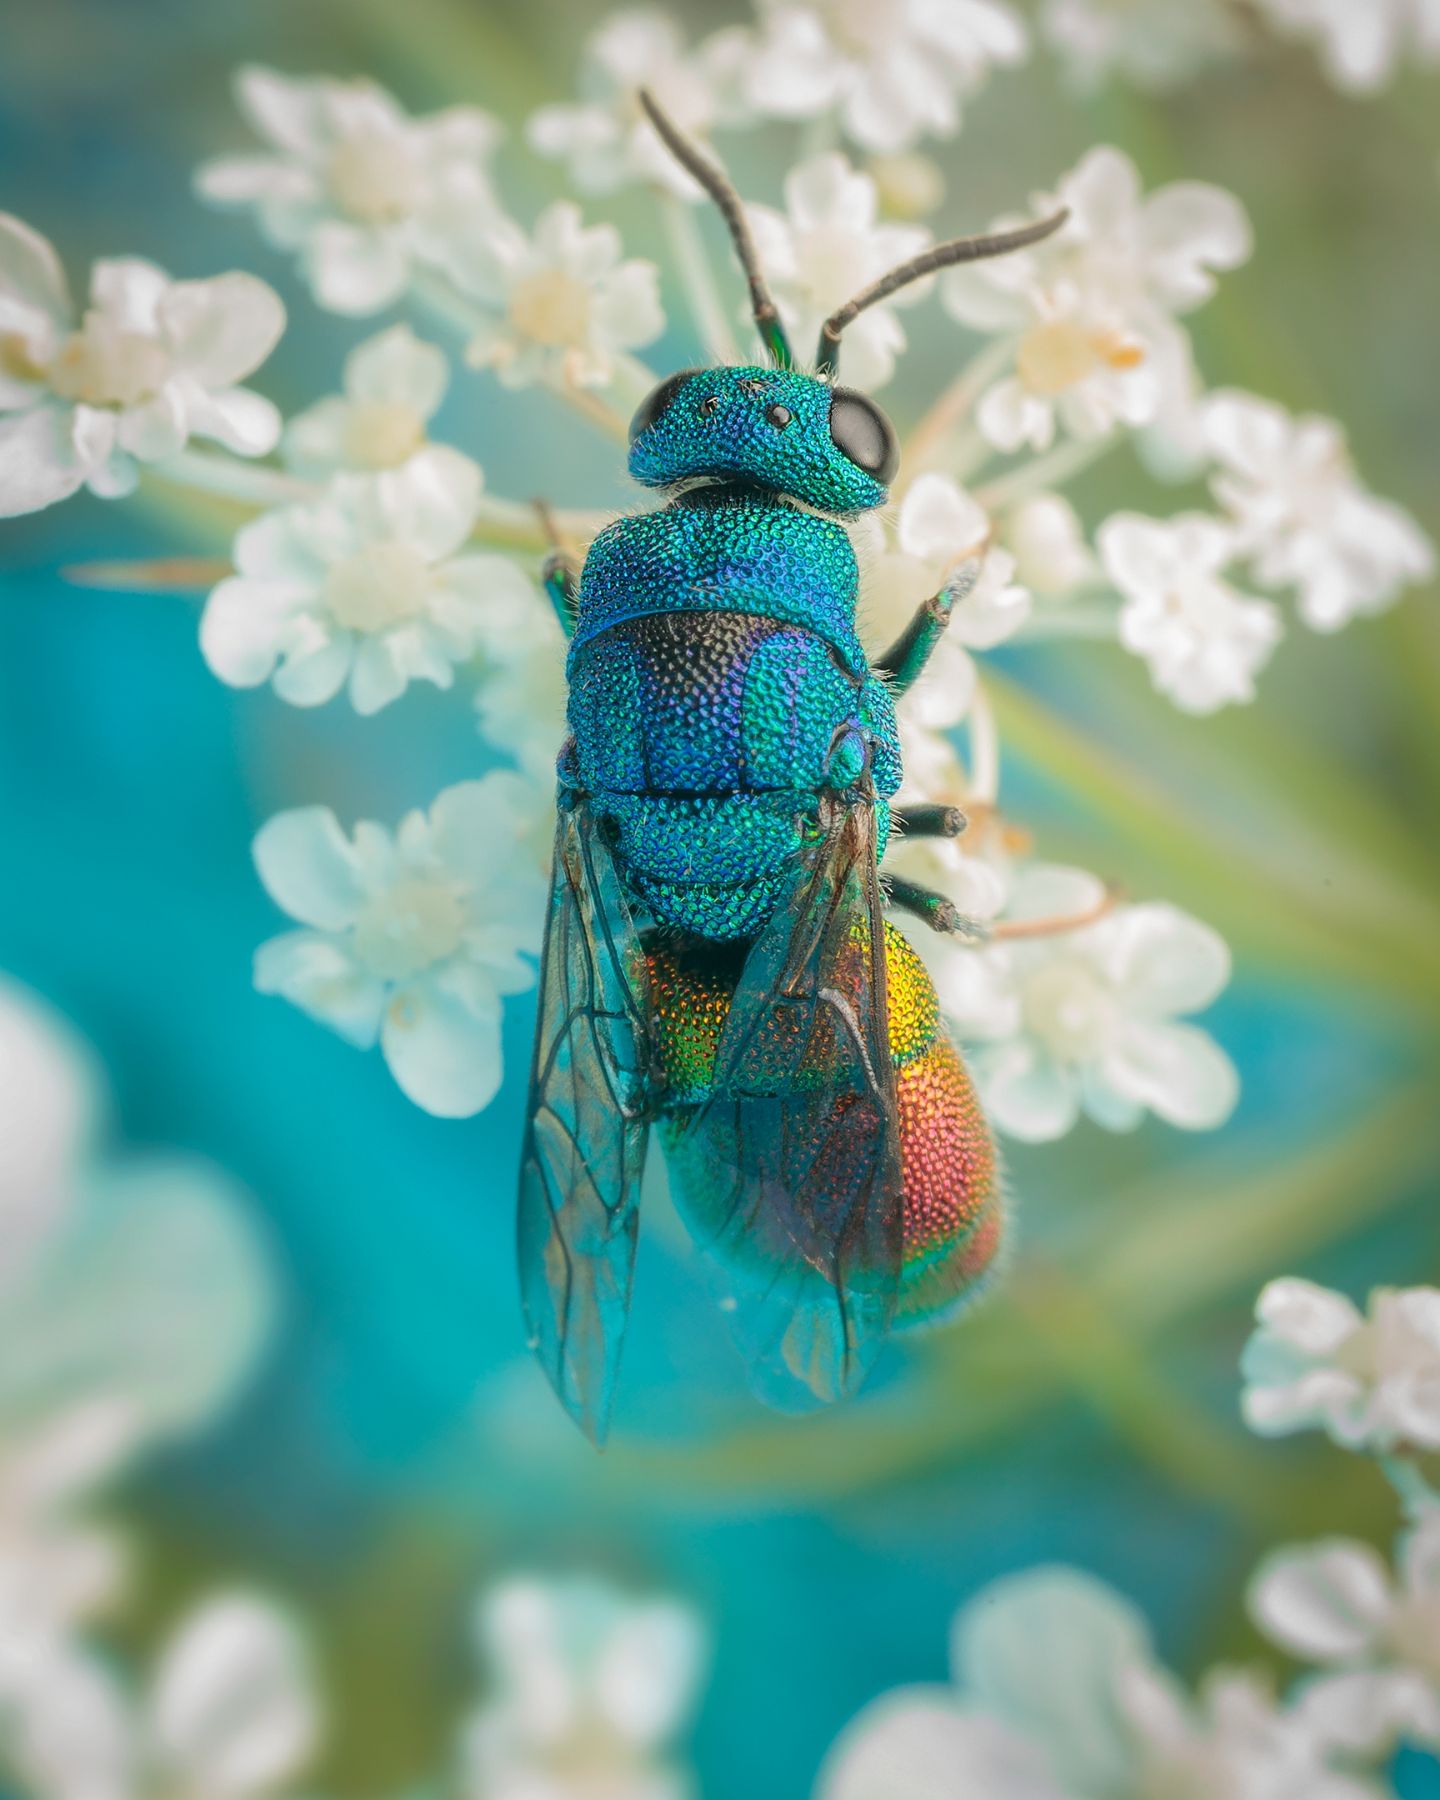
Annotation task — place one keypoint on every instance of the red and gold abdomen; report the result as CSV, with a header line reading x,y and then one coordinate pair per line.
x,y
954,1202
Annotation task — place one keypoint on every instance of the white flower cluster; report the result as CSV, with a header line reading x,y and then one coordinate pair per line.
x,y
1057,1692
378,558
1362,44
133,1304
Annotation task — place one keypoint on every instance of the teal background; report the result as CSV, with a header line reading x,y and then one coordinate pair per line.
x,y
397,1451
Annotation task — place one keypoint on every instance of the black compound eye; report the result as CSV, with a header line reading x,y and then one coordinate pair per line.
x,y
861,431
656,401
778,415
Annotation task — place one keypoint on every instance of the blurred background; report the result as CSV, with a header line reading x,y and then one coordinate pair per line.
x,y
395,1451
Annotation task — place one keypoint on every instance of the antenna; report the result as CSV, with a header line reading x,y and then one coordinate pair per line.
x,y
721,190
940,256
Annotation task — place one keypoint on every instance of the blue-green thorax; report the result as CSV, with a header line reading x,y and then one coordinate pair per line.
x,y
773,429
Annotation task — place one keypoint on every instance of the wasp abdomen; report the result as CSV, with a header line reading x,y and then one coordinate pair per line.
x,y
954,1197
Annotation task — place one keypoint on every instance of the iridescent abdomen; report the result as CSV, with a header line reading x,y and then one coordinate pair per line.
x,y
954,1198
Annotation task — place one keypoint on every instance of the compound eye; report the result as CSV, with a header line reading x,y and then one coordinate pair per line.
x,y
656,402
861,431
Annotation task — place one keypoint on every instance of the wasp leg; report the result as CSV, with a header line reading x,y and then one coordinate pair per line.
x,y
904,662
938,913
929,821
562,584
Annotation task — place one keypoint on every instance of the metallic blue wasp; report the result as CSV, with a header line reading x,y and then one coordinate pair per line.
x,y
717,964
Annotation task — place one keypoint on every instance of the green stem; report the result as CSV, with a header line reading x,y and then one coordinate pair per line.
x,y
984,748
1093,620
925,445
218,472
1416,1493
1052,470
707,309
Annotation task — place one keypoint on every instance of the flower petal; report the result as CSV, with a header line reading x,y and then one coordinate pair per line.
x,y
1325,1602
354,271
38,464
221,330
1178,1071
920,1744
310,868
318,974
1315,1319
1062,1701
30,272
397,369
233,1709
444,1053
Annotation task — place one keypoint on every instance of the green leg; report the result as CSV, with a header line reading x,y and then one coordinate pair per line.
x,y
937,912
904,662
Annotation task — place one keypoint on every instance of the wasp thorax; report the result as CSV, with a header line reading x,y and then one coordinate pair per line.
x,y
104,365
373,179
381,434
1057,355
410,927
551,308
378,587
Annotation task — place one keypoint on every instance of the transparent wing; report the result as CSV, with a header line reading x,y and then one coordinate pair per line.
x,y
588,1119
790,1174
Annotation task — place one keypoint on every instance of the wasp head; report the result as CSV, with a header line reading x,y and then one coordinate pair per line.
x,y
775,429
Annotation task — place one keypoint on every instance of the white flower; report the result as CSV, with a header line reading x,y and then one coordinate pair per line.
x,y
132,1304
1336,1604
1372,1381
1058,1696
49,1098
893,69
1301,515
1047,540
1203,642
587,1691
940,529
1093,307
562,304
229,1713
825,247
605,139
363,586
974,870
150,364
1361,45
522,691
411,939
393,385
1089,1018
1153,43
363,192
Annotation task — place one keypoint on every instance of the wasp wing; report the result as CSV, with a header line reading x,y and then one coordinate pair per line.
x,y
790,1171
587,1125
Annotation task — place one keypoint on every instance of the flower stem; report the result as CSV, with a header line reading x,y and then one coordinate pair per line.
x,y
1051,470
707,309
1095,620
984,748
925,444
1416,1494
217,472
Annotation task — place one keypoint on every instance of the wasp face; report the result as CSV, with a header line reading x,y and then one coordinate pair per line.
x,y
775,429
